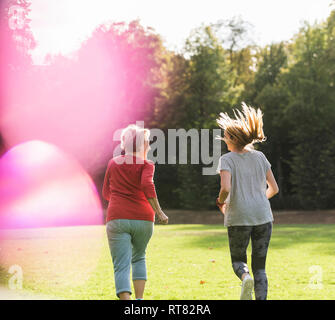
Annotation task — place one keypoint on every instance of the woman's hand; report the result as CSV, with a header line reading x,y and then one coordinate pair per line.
x,y
221,206
162,217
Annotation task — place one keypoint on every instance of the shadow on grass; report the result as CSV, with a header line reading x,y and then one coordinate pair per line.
x,y
283,236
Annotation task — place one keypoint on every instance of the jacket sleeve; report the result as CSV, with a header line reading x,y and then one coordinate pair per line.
x,y
147,183
105,188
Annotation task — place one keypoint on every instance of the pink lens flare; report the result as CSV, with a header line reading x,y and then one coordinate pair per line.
x,y
77,103
50,217
42,186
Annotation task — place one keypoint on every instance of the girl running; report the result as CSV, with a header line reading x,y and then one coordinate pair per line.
x,y
247,182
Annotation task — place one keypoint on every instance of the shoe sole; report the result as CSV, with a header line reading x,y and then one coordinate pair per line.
x,y
246,292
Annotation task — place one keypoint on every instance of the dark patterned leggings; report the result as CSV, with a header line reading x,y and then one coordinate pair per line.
x,y
239,237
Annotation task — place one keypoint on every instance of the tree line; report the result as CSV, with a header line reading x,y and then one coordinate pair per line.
x,y
218,68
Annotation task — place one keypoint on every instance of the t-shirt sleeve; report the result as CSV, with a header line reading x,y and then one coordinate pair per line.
x,y
266,163
147,182
223,165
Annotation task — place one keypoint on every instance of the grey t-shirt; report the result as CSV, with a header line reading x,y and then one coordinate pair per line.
x,y
247,204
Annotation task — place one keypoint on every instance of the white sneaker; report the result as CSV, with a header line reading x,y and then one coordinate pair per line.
x,y
247,286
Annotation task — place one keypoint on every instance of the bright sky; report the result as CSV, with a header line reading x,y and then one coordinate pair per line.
x,y
61,25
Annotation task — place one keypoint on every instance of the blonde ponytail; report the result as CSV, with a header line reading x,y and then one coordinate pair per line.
x,y
246,128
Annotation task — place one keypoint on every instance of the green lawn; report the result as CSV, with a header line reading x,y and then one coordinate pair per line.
x,y
184,262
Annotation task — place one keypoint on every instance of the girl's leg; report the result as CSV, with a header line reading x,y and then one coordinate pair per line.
x,y
120,248
260,239
141,234
239,237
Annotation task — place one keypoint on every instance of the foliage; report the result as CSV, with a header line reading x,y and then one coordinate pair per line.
x,y
311,115
219,67
16,40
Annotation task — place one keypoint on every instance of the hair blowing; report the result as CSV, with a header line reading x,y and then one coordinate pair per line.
x,y
246,128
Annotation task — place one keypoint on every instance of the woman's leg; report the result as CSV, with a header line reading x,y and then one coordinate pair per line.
x,y
260,239
124,296
239,237
120,248
139,286
142,232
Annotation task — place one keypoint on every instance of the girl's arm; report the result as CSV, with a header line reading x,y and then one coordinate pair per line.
x,y
225,185
272,189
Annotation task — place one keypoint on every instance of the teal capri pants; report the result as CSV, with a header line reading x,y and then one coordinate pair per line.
x,y
128,240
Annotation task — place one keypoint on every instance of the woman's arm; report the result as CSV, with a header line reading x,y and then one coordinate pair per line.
x,y
163,218
148,187
272,189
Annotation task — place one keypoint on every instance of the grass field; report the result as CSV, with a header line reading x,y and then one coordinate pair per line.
x,y
184,262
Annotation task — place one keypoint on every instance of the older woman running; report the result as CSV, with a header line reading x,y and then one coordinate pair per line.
x,y
243,198
130,190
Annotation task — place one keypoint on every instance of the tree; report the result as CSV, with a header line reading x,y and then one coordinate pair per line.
x,y
16,36
268,91
16,40
312,114
200,84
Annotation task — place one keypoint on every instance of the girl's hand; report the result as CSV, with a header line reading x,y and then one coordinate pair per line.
x,y
162,217
221,206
